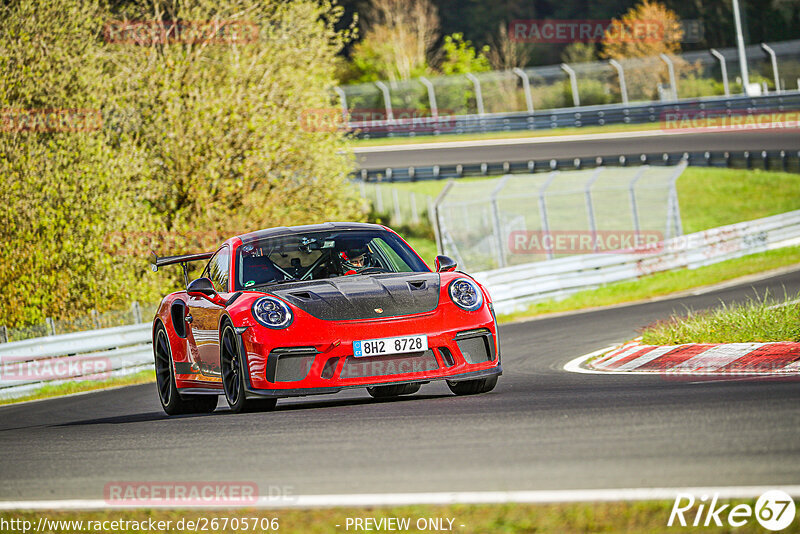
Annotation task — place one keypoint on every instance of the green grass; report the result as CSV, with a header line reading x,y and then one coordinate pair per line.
x,y
68,388
760,319
517,134
632,517
711,197
665,283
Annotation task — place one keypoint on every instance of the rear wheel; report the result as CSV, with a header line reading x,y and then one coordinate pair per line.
x,y
473,387
382,392
172,401
233,376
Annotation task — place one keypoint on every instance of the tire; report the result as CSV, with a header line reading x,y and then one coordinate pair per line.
x,y
233,379
170,397
383,392
473,387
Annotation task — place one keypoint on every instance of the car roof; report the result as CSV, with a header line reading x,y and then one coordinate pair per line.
x,y
308,228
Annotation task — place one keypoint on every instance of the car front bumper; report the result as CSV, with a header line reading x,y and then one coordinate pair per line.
x,y
461,346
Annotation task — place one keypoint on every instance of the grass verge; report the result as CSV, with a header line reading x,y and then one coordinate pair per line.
x,y
760,319
68,388
661,284
633,517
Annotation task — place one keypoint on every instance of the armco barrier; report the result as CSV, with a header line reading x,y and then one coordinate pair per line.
x,y
127,349
577,117
513,288
774,160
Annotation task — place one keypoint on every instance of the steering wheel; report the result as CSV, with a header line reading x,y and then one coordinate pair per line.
x,y
371,268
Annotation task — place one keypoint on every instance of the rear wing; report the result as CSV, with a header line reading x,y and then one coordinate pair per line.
x,y
184,260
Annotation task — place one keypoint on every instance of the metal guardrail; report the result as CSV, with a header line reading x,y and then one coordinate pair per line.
x,y
574,117
775,160
514,288
128,349
92,354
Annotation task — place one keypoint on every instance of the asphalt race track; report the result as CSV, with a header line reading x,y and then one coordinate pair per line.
x,y
541,429
579,146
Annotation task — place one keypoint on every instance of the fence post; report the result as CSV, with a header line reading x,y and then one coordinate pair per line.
x,y
431,96
632,196
496,223
766,48
3,334
414,211
396,201
573,81
137,312
587,191
343,98
623,88
437,227
526,86
51,326
387,100
378,199
724,68
671,68
543,214
478,94
96,319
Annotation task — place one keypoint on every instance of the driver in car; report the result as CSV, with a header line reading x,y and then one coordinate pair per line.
x,y
354,259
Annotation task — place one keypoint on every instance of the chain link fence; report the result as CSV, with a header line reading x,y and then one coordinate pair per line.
x,y
651,79
524,218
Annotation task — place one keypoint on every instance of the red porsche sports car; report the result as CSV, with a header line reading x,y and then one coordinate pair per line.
x,y
316,309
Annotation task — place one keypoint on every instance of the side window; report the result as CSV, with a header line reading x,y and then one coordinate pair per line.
x,y
218,269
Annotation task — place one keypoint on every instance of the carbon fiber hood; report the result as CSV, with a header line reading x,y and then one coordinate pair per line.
x,y
364,297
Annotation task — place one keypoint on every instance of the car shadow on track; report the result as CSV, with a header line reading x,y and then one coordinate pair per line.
x,y
223,410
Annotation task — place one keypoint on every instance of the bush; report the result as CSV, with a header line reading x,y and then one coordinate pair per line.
x,y
213,144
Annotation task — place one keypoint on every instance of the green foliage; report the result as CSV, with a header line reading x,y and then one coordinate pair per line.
x,y
760,319
199,140
460,57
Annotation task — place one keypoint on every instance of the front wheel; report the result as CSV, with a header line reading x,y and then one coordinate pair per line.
x,y
171,400
233,377
473,387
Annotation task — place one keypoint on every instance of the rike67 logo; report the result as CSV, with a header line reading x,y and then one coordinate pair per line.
x,y
774,510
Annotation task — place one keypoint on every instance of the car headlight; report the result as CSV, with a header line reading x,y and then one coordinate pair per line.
x,y
465,294
272,312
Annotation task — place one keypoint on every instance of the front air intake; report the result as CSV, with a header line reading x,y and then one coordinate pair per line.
x,y
290,364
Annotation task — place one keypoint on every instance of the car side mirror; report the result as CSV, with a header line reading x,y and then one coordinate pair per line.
x,y
203,287
445,264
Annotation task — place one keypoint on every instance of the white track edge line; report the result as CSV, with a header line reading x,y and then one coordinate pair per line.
x,y
442,498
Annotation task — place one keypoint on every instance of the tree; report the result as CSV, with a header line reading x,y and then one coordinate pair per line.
x,y
642,34
198,139
398,37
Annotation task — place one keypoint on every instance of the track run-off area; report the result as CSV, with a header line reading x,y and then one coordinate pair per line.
x,y
541,429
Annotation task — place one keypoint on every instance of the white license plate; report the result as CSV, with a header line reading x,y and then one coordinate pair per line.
x,y
389,345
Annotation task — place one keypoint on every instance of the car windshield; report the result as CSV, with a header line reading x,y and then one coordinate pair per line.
x,y
317,255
